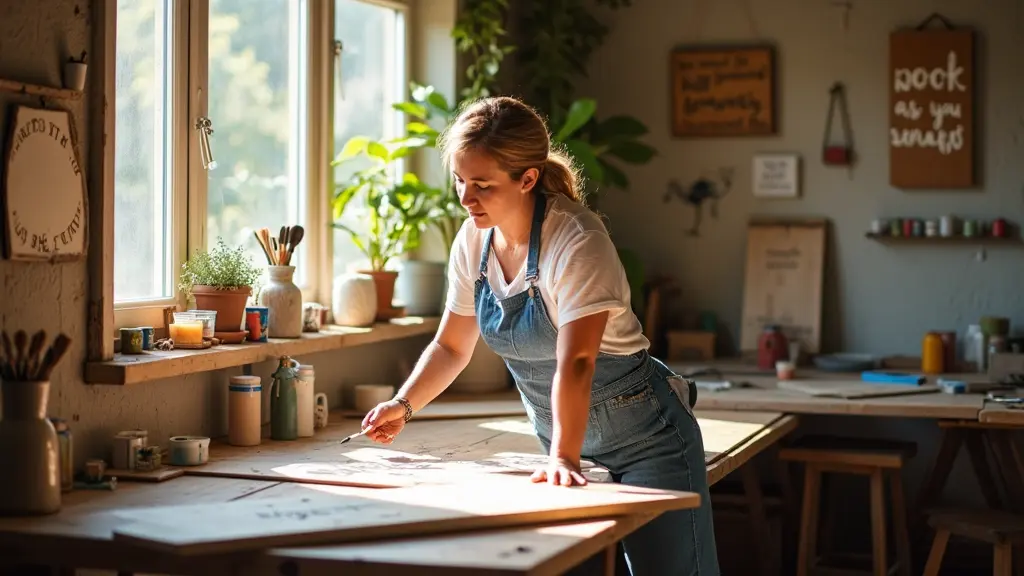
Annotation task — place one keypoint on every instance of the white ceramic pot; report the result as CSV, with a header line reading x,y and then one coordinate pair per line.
x,y
354,301
29,450
283,300
420,287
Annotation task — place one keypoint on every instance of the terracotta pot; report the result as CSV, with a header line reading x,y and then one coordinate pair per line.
x,y
229,304
384,281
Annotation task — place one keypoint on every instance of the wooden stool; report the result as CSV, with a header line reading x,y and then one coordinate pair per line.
x,y
1001,529
873,458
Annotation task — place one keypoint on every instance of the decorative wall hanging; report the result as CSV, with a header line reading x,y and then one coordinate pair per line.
x,y
700,191
931,107
45,204
776,176
837,153
723,91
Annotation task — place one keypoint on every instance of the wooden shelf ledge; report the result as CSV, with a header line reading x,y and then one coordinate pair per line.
x,y
38,90
976,240
155,365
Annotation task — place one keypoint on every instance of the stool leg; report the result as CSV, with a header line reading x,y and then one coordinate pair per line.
x,y
899,521
878,524
938,550
807,548
1002,560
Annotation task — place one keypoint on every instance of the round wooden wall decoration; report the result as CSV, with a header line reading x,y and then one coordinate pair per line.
x,y
45,204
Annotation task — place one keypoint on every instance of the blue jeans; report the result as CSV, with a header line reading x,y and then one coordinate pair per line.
x,y
655,442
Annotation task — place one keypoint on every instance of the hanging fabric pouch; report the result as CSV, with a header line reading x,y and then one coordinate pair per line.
x,y
837,154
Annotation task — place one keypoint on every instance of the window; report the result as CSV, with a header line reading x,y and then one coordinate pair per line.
x,y
144,182
259,72
370,77
258,77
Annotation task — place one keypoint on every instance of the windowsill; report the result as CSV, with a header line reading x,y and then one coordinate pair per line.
x,y
155,365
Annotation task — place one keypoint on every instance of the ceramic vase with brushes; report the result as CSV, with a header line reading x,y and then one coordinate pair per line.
x,y
30,481
281,297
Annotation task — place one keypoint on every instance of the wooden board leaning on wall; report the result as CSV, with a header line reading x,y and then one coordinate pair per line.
x,y
931,108
723,91
783,280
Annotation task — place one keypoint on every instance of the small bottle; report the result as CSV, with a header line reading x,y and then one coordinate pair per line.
x,y
932,353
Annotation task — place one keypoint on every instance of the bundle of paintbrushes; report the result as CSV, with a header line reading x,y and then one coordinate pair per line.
x,y
279,250
19,364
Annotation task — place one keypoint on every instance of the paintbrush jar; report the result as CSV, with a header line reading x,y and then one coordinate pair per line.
x,y
283,300
30,480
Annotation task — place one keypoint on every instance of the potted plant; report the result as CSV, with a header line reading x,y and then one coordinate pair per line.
x,y
397,211
220,279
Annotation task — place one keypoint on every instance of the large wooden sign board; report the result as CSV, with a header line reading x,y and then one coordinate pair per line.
x,y
723,91
931,109
243,525
783,282
45,204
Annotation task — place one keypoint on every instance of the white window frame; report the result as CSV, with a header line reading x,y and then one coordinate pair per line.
x,y
188,195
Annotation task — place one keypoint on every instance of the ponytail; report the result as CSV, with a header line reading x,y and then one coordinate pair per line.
x,y
560,176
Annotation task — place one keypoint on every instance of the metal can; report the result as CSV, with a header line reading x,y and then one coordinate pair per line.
x,y
67,471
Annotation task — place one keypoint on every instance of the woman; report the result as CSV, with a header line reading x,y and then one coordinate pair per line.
x,y
535,273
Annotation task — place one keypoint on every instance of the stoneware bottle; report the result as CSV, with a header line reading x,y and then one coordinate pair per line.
x,y
284,415
29,451
283,300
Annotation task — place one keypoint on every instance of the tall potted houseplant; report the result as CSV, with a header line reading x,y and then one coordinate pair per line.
x,y
220,279
397,211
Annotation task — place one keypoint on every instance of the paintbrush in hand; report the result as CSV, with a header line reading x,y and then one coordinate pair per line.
x,y
357,434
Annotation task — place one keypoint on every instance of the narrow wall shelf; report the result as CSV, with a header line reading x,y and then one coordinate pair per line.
x,y
39,90
938,240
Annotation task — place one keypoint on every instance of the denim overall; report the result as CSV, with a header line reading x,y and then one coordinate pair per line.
x,y
640,427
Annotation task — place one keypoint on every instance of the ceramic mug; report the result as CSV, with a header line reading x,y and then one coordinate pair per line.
x,y
189,450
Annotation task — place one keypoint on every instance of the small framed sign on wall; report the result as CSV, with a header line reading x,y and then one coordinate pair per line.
x,y
44,195
776,176
723,91
931,107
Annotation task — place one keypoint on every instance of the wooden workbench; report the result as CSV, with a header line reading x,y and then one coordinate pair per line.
x,y
82,530
760,392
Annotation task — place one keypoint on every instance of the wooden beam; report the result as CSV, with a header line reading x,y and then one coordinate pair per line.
x,y
99,346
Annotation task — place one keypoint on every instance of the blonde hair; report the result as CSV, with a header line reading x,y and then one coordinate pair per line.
x,y
516,137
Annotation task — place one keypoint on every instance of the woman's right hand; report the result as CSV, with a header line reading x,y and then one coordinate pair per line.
x,y
386,419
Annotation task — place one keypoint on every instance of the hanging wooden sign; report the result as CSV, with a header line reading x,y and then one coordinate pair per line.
x,y
723,91
931,108
45,203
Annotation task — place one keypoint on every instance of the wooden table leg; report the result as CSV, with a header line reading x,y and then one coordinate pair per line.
x,y
935,480
937,552
807,549
1002,560
758,518
982,469
878,542
610,559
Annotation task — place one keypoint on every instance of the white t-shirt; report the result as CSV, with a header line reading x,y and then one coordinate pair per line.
x,y
579,268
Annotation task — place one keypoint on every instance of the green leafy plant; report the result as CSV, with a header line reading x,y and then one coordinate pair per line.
x,y
478,32
220,267
398,211
595,143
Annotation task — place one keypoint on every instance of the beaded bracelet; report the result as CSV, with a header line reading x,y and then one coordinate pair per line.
x,y
407,405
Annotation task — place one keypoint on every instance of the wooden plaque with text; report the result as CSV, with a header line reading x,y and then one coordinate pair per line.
x,y
720,91
44,195
931,109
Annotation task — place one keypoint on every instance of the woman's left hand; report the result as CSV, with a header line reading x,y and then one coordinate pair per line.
x,y
560,472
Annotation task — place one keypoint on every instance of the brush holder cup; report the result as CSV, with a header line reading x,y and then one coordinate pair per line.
x,y
29,451
283,300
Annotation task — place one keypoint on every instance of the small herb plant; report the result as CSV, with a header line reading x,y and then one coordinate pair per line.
x,y
221,267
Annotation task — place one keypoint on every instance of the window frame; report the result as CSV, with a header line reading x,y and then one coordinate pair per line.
x,y
188,194
150,312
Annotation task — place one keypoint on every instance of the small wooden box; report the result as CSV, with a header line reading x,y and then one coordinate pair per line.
x,y
690,345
